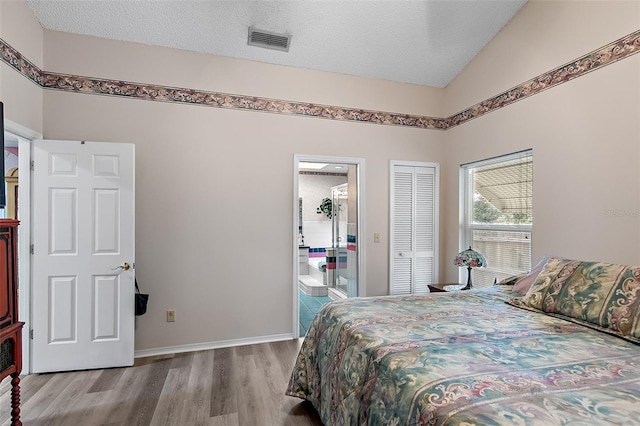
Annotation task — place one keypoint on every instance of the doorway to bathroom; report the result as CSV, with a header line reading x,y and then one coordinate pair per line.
x,y
327,227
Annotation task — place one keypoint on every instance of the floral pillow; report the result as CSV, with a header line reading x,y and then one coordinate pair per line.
x,y
603,295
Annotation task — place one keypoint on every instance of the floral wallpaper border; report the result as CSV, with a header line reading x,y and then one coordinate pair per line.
x,y
606,55
73,83
14,59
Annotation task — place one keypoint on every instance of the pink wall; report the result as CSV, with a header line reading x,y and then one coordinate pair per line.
x,y
584,133
214,183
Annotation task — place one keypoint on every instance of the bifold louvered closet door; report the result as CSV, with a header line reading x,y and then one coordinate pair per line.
x,y
414,227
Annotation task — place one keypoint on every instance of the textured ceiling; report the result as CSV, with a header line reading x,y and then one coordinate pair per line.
x,y
420,42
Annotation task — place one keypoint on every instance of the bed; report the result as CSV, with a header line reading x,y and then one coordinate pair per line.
x,y
567,352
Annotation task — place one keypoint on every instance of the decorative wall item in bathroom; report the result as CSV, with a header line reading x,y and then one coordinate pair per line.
x,y
326,207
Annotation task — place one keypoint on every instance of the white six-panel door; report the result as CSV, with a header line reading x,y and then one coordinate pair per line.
x,y
83,237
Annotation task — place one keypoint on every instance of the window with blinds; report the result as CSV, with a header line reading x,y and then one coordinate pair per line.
x,y
498,215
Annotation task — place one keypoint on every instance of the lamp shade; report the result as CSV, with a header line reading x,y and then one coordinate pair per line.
x,y
470,258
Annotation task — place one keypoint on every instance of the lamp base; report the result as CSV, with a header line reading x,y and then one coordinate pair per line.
x,y
469,285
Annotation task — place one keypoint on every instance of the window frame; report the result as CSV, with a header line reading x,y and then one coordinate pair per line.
x,y
466,224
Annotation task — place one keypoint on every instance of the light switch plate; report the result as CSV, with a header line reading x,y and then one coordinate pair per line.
x,y
171,315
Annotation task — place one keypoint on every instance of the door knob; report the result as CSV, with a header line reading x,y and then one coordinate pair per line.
x,y
125,267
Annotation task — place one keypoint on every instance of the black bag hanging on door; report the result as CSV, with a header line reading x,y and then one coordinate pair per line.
x,y
141,301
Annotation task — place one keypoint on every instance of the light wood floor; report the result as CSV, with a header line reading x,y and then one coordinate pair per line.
x,y
241,386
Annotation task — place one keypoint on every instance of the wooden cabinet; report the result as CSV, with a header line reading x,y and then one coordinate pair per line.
x,y
10,327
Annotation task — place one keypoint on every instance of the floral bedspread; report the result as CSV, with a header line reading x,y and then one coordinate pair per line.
x,y
462,358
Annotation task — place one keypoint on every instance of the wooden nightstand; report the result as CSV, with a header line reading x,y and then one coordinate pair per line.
x,y
439,288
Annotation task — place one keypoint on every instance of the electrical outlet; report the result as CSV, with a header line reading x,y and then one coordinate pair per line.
x,y
376,237
171,315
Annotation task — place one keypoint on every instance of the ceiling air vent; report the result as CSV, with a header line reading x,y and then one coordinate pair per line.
x,y
269,40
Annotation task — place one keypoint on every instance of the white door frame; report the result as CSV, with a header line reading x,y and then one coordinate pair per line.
x,y
297,158
25,136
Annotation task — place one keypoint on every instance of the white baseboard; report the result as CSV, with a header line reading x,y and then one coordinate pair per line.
x,y
211,345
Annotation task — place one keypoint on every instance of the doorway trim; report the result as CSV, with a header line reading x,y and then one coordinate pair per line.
x,y
297,158
25,137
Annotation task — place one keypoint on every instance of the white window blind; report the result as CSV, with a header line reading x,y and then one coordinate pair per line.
x,y
498,215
